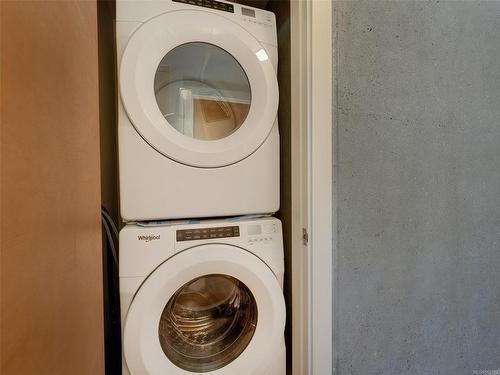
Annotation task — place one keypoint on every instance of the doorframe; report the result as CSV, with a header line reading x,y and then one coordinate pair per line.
x,y
313,159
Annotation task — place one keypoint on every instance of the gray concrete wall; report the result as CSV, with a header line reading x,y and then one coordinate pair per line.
x,y
418,114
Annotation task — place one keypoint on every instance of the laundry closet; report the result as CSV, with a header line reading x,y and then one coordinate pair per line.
x,y
204,161
201,281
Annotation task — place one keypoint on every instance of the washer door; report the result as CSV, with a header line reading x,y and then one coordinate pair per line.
x,y
198,88
210,309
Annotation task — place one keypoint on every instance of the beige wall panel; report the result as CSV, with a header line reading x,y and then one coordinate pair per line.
x,y
51,275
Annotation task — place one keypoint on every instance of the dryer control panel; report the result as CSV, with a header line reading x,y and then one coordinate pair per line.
x,y
212,4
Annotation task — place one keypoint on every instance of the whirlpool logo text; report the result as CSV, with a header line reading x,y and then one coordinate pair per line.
x,y
149,237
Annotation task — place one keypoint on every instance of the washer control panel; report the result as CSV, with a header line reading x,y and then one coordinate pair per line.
x,y
207,233
212,4
261,233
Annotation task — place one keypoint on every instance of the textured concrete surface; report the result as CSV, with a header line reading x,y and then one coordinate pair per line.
x,y
418,114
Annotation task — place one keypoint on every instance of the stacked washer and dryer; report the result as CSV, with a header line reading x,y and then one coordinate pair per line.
x,y
201,257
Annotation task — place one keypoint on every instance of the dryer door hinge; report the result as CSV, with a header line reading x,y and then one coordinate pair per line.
x,y
305,237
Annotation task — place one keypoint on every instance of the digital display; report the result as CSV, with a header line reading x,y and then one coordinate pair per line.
x,y
248,12
254,230
207,233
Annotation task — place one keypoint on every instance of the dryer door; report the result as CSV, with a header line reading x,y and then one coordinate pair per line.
x,y
198,88
210,308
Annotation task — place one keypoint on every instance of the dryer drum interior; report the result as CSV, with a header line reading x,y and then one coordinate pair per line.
x,y
202,91
208,323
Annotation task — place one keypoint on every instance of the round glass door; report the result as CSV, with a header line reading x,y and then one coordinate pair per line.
x,y
211,308
208,323
199,88
202,91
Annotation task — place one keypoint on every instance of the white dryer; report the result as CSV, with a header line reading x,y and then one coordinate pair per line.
x,y
203,298
197,115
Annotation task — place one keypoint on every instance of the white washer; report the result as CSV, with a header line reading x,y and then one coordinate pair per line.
x,y
203,298
197,115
